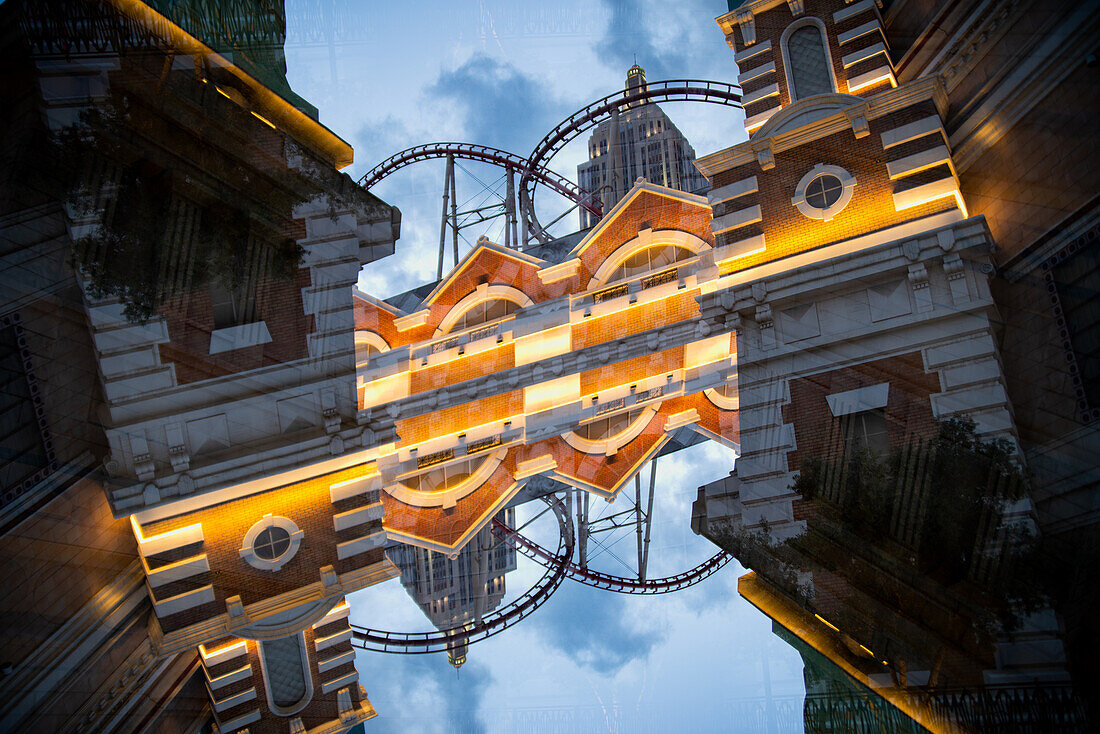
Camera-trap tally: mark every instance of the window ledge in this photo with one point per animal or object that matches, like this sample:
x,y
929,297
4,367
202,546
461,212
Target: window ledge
x,y
239,337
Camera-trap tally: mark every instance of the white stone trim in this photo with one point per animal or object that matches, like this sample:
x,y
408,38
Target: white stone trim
x,y
645,239
177,571
248,552
483,293
737,219
772,90
344,680
733,190
323,666
847,180
412,320
912,131
355,487
417,498
358,516
184,601
720,400
753,50
862,30
368,338
239,337
754,73
236,699
853,9
154,544
611,444
862,55
754,122
918,161
340,611
847,247
560,271
741,248
230,677
917,195
360,545
321,643
241,721
859,400
871,77
224,654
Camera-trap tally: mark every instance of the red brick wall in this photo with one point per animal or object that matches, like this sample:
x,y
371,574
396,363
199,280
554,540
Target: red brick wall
x,y
787,231
770,26
908,412
191,319
308,504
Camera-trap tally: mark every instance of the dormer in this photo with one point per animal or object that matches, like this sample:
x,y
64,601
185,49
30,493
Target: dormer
x,y
788,51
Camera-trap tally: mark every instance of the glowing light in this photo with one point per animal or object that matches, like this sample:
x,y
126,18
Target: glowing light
x,y
164,538
826,622
887,76
226,650
303,127
954,192
263,119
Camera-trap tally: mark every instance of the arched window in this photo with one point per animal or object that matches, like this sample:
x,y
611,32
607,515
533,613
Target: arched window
x,y
808,63
446,477
485,312
651,258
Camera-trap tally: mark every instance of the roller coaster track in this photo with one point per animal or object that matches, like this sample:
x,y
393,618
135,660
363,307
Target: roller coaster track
x,y
619,584
533,170
482,154
415,643
673,90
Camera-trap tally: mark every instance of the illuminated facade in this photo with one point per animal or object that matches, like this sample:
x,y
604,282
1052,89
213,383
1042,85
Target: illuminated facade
x,y
217,359
868,313
513,367
193,495
639,142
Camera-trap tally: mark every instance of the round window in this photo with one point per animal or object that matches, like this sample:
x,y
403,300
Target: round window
x,y
271,543
824,191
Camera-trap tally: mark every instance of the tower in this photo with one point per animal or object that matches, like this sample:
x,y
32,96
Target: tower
x,y
639,141
868,332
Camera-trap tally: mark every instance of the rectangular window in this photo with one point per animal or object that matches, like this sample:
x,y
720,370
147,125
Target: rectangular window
x,y
26,452
1074,279
865,431
235,305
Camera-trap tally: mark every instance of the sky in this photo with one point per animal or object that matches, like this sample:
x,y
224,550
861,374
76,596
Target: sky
x,y
387,76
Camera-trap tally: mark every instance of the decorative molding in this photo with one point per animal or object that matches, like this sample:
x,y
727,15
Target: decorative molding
x,y
847,180
878,105
748,26
857,114
248,548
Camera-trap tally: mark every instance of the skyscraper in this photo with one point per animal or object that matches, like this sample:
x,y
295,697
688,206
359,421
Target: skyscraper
x,y
640,142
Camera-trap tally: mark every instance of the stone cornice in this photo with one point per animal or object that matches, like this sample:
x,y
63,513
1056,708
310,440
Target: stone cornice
x,y
276,109
222,624
880,105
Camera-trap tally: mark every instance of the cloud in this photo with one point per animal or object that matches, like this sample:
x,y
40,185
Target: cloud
x,y
499,104
423,694
592,627
669,40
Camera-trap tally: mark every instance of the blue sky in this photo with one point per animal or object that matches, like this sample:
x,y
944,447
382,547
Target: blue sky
x,y
387,76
